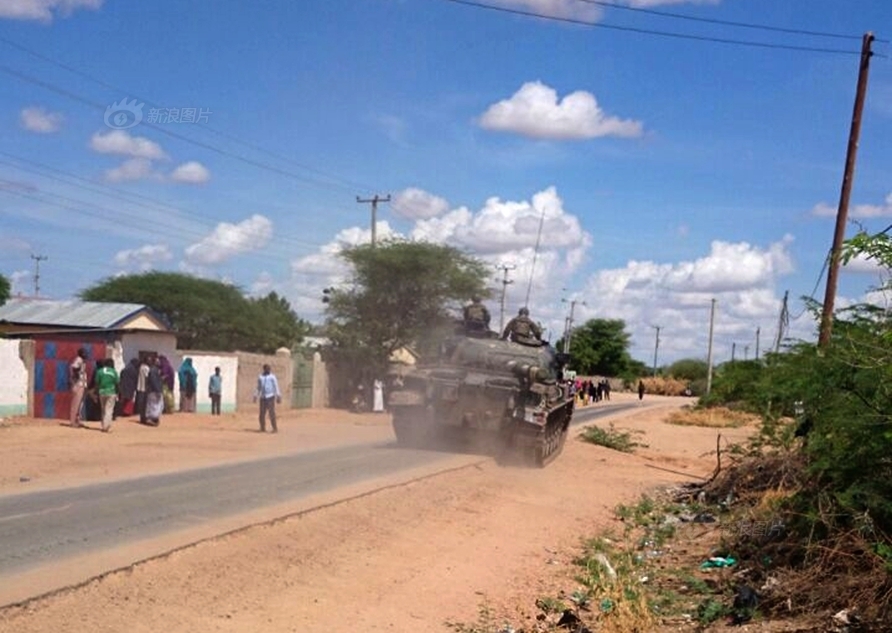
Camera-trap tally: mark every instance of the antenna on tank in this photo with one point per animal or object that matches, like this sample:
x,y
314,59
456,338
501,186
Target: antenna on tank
x,y
535,257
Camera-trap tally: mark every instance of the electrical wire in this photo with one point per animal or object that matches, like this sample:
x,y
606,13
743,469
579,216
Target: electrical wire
x,y
673,34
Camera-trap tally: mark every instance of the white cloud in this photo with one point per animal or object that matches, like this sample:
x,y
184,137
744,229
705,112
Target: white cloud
x,y
659,3
556,8
413,203
535,111
229,240
130,170
192,172
39,120
865,211
121,142
143,258
43,10
862,264
21,282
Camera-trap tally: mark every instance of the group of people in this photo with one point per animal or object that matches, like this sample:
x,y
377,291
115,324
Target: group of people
x,y
144,388
521,329
590,391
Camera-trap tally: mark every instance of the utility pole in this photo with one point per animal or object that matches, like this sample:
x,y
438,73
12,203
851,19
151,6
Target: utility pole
x,y
758,332
782,323
656,346
733,351
568,333
746,352
37,259
843,210
505,281
709,349
374,202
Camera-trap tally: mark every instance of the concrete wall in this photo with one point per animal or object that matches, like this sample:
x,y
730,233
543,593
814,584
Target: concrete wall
x,y
204,363
251,365
132,343
15,377
320,382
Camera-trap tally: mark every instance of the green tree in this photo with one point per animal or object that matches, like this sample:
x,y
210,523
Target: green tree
x,y
600,347
688,369
207,314
5,289
399,292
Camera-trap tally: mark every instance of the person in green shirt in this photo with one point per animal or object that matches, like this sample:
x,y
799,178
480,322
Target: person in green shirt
x,y
107,385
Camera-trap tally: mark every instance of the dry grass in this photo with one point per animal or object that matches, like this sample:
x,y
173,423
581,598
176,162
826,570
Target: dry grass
x,y
715,417
662,386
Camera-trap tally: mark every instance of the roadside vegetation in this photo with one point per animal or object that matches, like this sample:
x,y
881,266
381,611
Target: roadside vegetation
x,y
622,440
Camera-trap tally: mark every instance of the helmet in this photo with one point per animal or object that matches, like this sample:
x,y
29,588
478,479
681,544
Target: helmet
x,y
523,312
475,299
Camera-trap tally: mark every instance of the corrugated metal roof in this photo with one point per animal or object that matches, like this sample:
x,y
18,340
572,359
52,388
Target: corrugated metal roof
x,y
79,314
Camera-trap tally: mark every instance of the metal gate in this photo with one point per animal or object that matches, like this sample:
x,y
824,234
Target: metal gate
x,y
302,383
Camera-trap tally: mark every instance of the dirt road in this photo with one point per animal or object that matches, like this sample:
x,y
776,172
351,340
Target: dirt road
x,y
404,558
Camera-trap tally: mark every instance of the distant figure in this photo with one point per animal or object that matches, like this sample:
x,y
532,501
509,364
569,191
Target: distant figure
x,y
142,381
522,329
641,390
378,396
154,393
127,385
107,386
77,377
188,385
476,317
268,393
168,376
215,391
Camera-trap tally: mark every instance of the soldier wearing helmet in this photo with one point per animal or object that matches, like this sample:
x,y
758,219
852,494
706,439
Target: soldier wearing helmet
x,y
476,317
522,329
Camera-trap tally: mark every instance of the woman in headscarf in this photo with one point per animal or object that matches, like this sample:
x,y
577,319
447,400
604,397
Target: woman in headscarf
x,y
154,397
167,381
188,386
127,387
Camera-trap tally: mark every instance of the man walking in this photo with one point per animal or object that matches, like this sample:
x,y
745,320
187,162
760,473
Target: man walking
x,y
107,386
77,377
215,391
269,394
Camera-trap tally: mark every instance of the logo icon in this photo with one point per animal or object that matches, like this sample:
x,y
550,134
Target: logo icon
x,y
123,114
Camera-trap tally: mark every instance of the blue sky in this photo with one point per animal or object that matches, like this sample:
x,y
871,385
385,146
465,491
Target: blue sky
x,y
664,171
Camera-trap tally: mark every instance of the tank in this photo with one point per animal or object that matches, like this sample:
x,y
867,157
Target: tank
x,y
497,392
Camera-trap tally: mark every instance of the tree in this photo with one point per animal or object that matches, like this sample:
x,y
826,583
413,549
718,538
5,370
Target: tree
x,y
5,289
688,369
207,314
398,293
600,347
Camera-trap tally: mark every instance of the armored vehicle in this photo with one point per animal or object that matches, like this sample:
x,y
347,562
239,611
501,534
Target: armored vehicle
x,y
484,388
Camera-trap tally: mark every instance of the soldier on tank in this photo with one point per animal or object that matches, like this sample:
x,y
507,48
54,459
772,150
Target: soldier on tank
x,y
522,329
476,317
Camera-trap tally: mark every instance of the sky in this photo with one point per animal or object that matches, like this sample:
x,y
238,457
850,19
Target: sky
x,y
629,160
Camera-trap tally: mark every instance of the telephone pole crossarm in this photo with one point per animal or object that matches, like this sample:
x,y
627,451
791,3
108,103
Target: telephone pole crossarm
x,y
374,200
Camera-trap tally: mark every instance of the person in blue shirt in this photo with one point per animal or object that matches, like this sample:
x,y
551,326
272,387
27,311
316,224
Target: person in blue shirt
x,y
268,393
215,391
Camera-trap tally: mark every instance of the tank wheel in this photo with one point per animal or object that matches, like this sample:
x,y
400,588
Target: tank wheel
x,y
551,444
411,427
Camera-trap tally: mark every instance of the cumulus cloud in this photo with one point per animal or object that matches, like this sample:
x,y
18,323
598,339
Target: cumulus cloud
x,y
20,282
44,10
143,258
192,173
121,142
556,8
130,170
863,211
229,240
862,264
413,203
40,121
535,111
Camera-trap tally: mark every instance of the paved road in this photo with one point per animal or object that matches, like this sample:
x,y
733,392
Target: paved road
x,y
43,527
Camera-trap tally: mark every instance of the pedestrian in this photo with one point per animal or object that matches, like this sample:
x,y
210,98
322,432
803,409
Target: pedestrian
x,y
107,385
154,393
77,378
167,382
127,383
188,385
641,390
268,393
215,390
142,381
377,396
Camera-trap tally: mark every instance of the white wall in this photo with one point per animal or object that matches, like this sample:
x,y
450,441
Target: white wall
x,y
13,380
204,363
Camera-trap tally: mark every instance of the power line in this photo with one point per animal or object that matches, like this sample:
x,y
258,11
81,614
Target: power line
x,y
673,34
744,25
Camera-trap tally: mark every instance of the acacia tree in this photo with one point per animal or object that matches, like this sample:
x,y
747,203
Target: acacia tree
x,y
5,289
207,314
398,292
601,347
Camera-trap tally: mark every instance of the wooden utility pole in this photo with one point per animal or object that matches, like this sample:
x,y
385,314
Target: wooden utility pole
x,y
733,351
37,259
656,346
505,281
758,333
782,323
374,202
568,334
709,349
843,210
